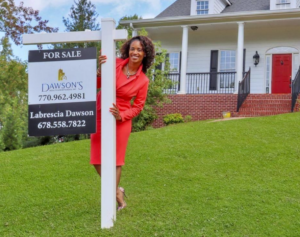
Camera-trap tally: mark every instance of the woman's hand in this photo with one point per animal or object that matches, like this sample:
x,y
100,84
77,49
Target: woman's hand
x,y
115,112
101,59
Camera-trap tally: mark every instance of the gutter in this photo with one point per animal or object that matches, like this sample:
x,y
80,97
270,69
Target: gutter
x,y
215,18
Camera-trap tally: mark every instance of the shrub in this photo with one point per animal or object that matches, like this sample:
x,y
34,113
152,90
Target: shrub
x,y
173,118
144,119
188,118
1,141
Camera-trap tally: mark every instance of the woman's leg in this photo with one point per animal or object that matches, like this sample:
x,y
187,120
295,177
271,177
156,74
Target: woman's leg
x,y
98,169
118,173
120,196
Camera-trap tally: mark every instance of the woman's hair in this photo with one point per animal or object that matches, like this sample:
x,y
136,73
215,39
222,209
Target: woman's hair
x,y
148,48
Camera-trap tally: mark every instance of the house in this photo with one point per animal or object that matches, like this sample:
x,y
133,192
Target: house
x,y
229,55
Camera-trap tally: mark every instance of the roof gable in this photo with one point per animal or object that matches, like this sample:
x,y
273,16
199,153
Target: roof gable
x,y
247,5
178,8
183,7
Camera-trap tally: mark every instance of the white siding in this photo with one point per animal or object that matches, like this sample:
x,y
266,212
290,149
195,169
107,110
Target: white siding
x,y
298,3
201,42
219,6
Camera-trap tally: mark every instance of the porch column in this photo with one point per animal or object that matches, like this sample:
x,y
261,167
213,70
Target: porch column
x,y
184,52
240,52
134,31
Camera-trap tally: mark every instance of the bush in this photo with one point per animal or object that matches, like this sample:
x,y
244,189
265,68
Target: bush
x,y
1,141
31,142
144,119
173,118
188,118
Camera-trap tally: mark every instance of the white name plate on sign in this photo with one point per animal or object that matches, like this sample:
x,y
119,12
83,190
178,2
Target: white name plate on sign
x,y
62,91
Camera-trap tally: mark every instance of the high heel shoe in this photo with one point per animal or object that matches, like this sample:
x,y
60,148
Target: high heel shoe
x,y
123,205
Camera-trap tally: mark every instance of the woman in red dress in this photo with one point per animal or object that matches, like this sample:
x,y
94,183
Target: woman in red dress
x,y
137,55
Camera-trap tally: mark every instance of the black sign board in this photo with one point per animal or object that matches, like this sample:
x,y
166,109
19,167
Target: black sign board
x,y
62,92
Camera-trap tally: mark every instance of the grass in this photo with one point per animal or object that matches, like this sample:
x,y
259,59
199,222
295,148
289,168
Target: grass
x,y
233,178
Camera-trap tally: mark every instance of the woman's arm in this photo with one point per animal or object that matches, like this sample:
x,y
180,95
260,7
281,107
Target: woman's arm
x,y
101,60
138,104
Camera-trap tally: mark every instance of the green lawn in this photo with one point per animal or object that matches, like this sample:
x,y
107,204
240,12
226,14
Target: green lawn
x,y
232,178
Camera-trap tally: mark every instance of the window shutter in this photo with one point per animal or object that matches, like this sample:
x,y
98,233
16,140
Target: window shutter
x,y
179,71
179,62
213,70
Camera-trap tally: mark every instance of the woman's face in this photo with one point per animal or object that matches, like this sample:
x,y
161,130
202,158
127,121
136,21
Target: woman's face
x,y
136,52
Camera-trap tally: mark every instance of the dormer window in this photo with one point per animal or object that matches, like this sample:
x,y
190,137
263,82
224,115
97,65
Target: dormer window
x,y
283,2
202,7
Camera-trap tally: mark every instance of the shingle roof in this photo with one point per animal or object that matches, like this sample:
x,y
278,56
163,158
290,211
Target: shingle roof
x,y
183,7
178,8
247,5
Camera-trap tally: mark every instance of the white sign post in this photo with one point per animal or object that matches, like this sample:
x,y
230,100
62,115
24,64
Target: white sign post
x,y
108,36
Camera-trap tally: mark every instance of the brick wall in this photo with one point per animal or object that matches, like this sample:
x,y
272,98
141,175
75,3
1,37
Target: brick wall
x,y
200,107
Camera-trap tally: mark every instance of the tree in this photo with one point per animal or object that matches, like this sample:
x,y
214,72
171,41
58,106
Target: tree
x,y
82,16
17,20
13,125
13,99
127,27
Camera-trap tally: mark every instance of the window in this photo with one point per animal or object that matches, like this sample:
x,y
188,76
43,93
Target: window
x,y
174,62
296,65
227,64
202,7
268,73
283,1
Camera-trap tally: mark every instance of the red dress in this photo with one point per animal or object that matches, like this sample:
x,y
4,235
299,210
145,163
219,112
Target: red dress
x,y
136,86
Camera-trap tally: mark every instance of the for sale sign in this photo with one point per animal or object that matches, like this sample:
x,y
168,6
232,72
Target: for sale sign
x,y
62,91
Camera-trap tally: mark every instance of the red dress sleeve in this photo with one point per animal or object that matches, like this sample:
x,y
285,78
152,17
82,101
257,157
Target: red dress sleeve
x,y
138,104
118,62
98,82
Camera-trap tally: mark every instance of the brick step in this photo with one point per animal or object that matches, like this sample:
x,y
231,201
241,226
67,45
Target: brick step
x,y
266,105
264,111
270,107
256,114
267,101
269,96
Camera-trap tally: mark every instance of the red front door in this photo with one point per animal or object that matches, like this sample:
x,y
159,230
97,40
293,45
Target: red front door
x,y
281,73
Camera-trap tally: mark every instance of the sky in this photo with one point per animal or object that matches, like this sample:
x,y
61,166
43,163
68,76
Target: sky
x,y
55,10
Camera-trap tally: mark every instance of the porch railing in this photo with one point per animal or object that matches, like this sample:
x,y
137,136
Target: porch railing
x,y
175,83
295,89
243,89
204,83
210,83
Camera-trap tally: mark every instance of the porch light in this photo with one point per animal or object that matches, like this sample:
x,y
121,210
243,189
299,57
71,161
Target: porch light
x,y
194,28
256,59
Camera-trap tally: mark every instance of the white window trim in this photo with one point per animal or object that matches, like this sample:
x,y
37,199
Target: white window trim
x,y
163,64
219,68
268,74
195,9
278,2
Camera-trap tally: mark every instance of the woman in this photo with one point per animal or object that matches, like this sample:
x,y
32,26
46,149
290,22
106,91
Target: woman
x,y
137,55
